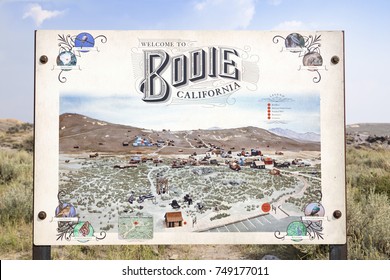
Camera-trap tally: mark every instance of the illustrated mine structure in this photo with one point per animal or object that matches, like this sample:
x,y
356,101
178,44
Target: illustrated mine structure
x,y
162,185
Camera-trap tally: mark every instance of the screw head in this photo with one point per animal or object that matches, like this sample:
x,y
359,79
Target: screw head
x,y
42,215
43,59
337,214
335,59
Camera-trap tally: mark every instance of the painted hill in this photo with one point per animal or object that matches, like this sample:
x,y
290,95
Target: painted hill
x,y
308,136
80,133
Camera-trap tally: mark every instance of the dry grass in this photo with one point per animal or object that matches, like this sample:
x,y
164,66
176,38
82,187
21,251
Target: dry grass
x,y
15,240
368,219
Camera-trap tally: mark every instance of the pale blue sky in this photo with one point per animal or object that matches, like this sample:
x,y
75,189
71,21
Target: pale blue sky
x,y
365,24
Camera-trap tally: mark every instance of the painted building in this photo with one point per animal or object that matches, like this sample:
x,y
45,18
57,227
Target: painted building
x,y
141,142
173,219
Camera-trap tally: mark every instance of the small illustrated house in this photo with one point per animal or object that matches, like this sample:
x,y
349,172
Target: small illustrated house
x,y
259,164
255,152
141,142
274,172
135,159
268,161
173,219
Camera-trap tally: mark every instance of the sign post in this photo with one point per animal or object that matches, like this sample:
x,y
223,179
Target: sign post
x,y
41,252
338,252
189,137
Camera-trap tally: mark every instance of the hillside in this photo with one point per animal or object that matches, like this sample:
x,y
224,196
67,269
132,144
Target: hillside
x,y
80,133
308,136
368,173
92,135
5,124
372,135
379,129
15,134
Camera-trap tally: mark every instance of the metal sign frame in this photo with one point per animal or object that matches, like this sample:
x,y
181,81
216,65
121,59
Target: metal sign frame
x,y
175,173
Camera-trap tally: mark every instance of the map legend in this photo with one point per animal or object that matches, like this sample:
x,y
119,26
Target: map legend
x,y
279,108
269,111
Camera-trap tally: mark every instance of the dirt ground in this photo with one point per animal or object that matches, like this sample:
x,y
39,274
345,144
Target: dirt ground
x,y
204,252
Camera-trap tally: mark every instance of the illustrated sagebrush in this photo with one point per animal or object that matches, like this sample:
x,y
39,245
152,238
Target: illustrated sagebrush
x,y
368,205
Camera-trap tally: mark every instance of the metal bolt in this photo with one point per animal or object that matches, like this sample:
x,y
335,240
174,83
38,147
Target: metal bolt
x,y
42,215
335,59
337,214
43,59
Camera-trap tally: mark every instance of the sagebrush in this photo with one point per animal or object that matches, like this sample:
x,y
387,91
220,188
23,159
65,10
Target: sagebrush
x,y
368,219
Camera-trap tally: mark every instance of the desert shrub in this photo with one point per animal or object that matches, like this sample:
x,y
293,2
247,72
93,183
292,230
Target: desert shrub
x,y
368,227
7,172
13,129
16,204
19,127
15,167
368,205
26,126
371,182
15,186
133,252
15,241
28,144
369,169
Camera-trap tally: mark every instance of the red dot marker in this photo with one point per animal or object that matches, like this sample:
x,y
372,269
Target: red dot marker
x,y
266,207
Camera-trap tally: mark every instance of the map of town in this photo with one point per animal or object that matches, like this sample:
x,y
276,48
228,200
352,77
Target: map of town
x,y
135,227
215,180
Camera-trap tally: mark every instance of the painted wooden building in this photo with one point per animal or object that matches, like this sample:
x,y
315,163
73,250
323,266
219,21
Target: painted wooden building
x,y
173,219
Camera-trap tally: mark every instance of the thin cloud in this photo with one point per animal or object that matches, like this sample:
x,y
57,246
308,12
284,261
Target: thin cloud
x,y
230,14
290,25
39,15
275,2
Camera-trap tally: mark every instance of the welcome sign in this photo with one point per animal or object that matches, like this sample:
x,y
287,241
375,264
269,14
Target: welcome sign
x,y
189,137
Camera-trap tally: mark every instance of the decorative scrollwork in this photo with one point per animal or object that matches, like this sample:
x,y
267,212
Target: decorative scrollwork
x,y
103,39
296,230
60,195
102,235
314,229
308,226
65,230
307,47
276,39
317,79
66,43
312,44
72,47
61,78
279,235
